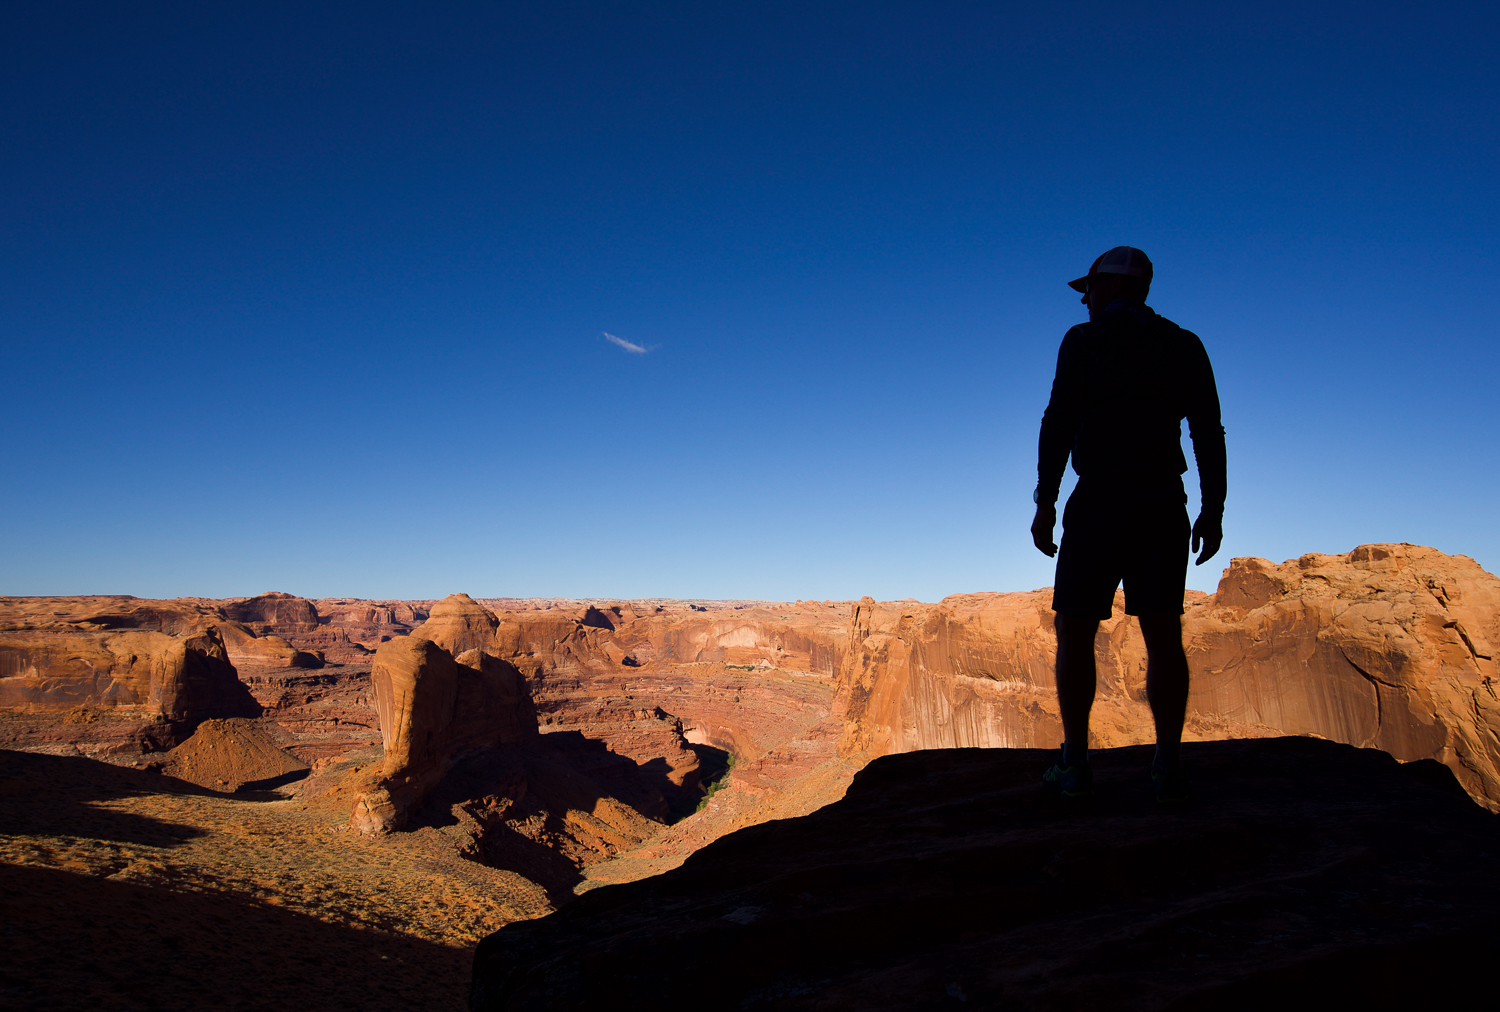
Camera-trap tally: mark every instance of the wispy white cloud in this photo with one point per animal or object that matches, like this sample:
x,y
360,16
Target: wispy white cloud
x,y
630,346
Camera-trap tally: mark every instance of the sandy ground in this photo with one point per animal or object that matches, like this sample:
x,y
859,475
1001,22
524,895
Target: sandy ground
x,y
124,889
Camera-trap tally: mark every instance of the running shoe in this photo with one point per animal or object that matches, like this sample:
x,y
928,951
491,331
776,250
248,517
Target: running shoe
x,y
1169,786
1070,781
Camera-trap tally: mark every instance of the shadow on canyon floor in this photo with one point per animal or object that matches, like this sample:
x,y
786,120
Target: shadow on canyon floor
x,y
547,787
78,791
132,947
714,765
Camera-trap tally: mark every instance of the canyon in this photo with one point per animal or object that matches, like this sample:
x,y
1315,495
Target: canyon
x,y
509,755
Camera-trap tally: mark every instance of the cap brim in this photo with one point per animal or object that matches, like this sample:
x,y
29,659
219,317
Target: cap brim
x,y
1081,285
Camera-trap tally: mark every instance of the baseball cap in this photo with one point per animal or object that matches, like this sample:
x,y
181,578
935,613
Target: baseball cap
x,y
1120,260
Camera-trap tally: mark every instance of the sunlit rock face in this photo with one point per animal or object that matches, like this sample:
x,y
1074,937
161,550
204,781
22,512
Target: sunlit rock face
x,y
738,679
247,651
275,611
116,674
1388,646
458,623
634,706
464,761
433,710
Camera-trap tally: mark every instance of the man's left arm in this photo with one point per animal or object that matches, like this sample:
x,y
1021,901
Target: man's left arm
x,y
1207,430
1059,429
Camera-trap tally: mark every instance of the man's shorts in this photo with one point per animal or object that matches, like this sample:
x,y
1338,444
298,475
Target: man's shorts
x,y
1114,533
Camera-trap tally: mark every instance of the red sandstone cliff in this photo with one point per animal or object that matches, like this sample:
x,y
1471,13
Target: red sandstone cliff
x,y
1385,647
1388,646
463,752
128,675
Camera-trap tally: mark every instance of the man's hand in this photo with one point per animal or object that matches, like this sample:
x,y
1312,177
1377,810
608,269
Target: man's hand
x,y
1209,532
1041,529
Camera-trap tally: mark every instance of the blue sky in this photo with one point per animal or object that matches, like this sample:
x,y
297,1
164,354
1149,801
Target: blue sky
x,y
312,297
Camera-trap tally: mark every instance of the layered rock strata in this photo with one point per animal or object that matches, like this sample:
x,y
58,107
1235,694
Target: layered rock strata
x,y
1386,647
464,757
123,676
637,704
275,612
248,651
351,630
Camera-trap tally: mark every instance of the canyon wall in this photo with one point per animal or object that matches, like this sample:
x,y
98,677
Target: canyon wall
x,y
128,676
1388,646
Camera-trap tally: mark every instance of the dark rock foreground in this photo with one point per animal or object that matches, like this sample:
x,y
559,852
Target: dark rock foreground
x,y
1304,871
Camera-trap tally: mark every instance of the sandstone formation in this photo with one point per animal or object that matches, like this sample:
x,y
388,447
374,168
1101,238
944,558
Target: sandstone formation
x,y
463,756
433,710
572,738
750,683
275,611
75,675
225,755
124,676
351,630
1390,646
458,624
545,810
247,650
1310,873
318,714
1387,646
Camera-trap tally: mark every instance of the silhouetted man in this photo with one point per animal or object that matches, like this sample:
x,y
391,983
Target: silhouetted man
x,y
1125,380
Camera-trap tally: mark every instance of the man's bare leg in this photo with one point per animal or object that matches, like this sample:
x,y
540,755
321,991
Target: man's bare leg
x,y
1166,684
1075,681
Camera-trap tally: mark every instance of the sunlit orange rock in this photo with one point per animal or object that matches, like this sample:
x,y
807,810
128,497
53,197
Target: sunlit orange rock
x,y
1388,646
133,686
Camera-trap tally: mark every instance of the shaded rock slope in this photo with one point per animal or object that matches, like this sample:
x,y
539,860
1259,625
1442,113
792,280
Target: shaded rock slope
x,y
1305,870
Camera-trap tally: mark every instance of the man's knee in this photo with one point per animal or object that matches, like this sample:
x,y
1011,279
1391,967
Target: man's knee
x,y
1074,630
1163,635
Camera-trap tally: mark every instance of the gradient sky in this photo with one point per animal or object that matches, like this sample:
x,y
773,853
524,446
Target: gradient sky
x,y
314,297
